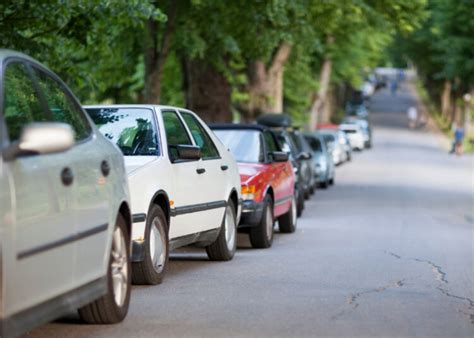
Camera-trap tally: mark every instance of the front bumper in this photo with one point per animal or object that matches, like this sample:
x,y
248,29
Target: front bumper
x,y
252,213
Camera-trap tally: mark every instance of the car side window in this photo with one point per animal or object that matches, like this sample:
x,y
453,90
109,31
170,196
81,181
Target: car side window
x,y
202,139
176,133
270,142
63,108
21,101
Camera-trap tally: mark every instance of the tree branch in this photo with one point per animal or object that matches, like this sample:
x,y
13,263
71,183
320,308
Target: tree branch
x,y
279,58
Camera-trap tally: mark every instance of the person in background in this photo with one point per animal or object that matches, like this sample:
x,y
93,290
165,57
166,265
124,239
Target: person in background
x,y
458,138
412,117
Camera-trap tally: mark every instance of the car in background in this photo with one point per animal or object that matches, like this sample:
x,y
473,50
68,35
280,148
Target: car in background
x,y
267,180
64,206
365,126
355,134
338,150
357,109
341,137
323,161
305,154
184,184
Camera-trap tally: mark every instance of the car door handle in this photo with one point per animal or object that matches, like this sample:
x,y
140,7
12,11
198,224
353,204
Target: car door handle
x,y
67,177
105,168
224,167
201,171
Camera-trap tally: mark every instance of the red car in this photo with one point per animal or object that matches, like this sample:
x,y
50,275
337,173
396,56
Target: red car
x,y
267,179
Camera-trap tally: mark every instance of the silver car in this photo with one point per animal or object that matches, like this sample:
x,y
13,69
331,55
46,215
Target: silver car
x,y
322,158
338,151
64,206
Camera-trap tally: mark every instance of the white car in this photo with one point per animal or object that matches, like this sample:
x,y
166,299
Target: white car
x,y
65,220
355,134
184,184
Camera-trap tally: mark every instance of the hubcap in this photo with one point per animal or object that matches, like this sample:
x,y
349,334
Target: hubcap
x,y
119,267
229,228
269,221
157,245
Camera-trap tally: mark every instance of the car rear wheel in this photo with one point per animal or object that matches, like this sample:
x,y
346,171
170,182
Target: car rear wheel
x,y
299,201
261,236
223,248
287,222
331,181
324,184
113,306
152,268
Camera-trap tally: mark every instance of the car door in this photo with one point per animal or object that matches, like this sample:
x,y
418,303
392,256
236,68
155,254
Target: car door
x,y
281,179
213,181
187,196
87,163
41,263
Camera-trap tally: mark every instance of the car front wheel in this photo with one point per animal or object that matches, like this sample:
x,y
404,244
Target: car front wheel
x,y
113,306
223,248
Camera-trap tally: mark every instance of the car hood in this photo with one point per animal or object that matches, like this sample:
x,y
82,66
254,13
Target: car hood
x,y
248,171
133,163
319,157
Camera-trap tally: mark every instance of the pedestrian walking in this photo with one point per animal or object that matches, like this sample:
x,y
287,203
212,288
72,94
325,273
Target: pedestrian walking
x,y
458,138
412,114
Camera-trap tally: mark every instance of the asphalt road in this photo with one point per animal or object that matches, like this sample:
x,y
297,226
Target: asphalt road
x,y
388,251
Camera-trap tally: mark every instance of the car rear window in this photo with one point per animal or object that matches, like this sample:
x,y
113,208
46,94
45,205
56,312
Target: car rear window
x,y
133,130
245,145
315,144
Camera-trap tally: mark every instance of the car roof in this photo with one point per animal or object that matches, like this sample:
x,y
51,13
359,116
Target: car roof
x,y
149,106
238,126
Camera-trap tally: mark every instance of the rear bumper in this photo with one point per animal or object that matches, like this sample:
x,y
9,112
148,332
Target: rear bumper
x,y
252,213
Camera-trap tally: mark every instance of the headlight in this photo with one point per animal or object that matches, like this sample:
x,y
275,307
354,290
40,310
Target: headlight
x,y
248,192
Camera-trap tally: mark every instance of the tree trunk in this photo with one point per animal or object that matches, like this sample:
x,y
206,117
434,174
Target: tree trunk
x,y
156,54
208,92
446,99
265,86
320,96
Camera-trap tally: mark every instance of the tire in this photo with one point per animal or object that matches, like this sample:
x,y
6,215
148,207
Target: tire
x,y
324,184
311,190
152,269
287,222
332,180
223,248
299,202
261,236
307,194
113,306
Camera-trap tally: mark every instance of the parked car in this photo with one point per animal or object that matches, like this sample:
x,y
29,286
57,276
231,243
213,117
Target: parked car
x,y
291,142
357,109
64,206
305,154
355,134
323,161
338,151
267,180
365,126
184,184
341,137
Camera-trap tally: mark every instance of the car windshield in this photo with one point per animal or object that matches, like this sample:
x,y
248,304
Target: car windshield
x,y
296,140
350,131
245,145
131,129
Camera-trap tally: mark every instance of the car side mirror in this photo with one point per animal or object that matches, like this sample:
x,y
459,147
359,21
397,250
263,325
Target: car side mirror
x,y
304,156
187,152
279,156
41,138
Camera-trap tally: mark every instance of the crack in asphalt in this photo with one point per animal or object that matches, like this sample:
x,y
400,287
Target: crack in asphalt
x,y
352,300
441,277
